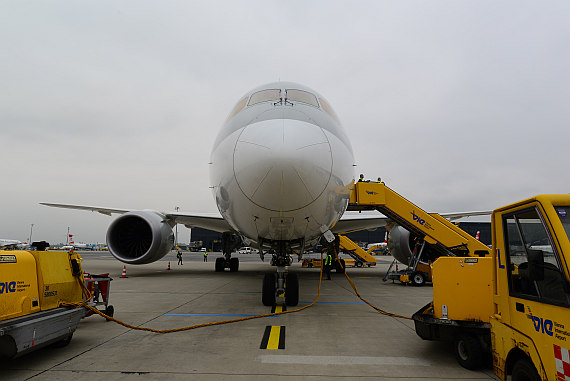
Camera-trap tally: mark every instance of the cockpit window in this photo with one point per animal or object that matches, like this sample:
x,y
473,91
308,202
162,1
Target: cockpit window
x,y
294,95
273,95
328,109
238,107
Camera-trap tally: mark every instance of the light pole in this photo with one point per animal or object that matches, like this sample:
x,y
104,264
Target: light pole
x,y
31,231
176,234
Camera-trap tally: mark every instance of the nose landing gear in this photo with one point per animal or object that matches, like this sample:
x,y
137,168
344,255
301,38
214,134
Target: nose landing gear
x,y
282,283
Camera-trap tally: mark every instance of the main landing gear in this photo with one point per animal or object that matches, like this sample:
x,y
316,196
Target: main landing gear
x,y
229,243
280,283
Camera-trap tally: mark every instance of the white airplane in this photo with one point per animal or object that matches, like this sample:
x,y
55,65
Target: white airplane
x,y
10,243
281,171
378,246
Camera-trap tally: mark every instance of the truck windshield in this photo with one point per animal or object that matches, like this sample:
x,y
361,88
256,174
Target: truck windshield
x,y
532,263
564,215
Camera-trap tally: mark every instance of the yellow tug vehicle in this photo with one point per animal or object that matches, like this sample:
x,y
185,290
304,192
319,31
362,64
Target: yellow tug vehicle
x,y
510,303
34,286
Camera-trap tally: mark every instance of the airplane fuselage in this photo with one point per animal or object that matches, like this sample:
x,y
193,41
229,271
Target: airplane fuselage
x,y
281,166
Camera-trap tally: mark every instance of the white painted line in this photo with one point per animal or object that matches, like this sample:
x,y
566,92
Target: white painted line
x,y
342,360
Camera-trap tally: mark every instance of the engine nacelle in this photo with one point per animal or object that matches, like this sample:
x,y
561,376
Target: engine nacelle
x,y
399,244
140,237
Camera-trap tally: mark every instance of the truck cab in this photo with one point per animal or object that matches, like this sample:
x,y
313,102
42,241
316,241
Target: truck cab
x,y
530,326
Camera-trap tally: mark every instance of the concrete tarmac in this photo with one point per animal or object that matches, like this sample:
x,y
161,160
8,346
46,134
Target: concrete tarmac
x,y
338,338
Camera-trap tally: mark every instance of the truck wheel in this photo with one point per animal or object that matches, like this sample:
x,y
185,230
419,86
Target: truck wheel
x,y
418,278
468,351
523,370
358,264
64,342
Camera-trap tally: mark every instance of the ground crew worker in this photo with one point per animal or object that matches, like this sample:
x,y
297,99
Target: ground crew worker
x,y
328,265
361,179
205,256
179,256
379,181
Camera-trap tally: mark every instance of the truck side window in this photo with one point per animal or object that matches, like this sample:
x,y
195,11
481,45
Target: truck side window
x,y
534,270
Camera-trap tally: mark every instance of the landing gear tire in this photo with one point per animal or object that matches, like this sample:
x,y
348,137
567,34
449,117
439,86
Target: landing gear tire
x,y
523,370
292,289
234,265
268,291
219,264
468,352
418,279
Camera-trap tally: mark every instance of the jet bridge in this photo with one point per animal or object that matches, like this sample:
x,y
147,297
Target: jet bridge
x,y
434,235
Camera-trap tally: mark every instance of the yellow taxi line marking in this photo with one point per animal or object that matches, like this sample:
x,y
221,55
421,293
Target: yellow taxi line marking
x,y
278,308
273,338
273,342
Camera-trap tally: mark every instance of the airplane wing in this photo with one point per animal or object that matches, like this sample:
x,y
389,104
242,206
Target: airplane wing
x,y
350,223
215,222
106,211
211,221
455,216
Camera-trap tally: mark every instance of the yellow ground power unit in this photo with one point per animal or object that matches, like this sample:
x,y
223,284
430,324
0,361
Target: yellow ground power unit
x,y
33,285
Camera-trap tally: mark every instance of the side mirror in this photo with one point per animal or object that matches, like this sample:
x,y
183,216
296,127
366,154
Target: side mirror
x,y
535,264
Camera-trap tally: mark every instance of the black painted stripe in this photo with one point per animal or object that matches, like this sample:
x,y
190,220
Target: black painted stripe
x,y
277,341
282,338
265,338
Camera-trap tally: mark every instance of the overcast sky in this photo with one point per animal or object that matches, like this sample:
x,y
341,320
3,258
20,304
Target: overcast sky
x,y
458,105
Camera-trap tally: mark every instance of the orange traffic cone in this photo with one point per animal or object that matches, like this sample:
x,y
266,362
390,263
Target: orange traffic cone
x,y
124,275
168,265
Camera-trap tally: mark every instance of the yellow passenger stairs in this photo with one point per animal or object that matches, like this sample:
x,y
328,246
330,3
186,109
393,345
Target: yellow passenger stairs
x,y
435,230
361,257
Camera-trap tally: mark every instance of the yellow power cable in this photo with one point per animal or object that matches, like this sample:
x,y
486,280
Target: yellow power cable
x,y
364,300
376,308
95,310
88,296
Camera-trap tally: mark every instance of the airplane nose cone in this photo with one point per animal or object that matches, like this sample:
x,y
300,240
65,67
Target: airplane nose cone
x,y
282,164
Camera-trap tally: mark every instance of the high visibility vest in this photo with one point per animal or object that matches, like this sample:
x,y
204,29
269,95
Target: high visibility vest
x,y
328,261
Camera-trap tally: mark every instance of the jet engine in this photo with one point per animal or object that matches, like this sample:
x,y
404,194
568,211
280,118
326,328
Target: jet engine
x,y
140,237
399,244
